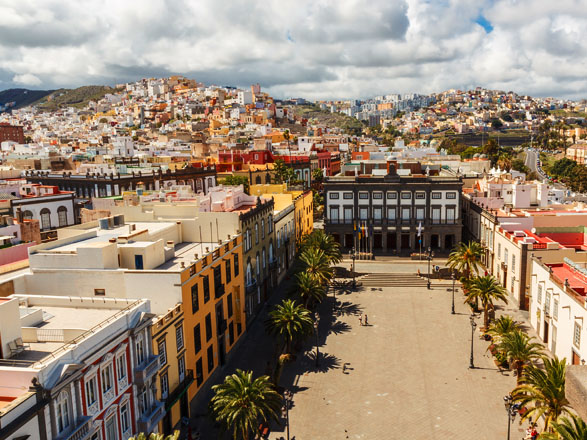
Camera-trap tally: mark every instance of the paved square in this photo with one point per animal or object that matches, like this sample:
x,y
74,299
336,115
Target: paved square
x,y
406,375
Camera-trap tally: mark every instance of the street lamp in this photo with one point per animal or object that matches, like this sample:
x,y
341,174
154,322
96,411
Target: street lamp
x,y
429,258
512,410
354,257
473,325
317,342
453,277
287,395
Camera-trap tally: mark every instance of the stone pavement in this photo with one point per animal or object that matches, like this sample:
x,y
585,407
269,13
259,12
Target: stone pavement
x,y
405,376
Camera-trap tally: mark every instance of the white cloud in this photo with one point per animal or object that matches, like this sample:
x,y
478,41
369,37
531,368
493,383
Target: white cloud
x,y
310,48
27,79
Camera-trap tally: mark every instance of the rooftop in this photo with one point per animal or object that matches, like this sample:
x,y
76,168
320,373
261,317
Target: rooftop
x,y
186,253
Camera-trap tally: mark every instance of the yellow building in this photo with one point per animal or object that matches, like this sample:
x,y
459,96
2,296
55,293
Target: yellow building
x,y
213,294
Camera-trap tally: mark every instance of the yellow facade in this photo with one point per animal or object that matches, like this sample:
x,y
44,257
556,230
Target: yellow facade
x,y
214,314
304,214
169,343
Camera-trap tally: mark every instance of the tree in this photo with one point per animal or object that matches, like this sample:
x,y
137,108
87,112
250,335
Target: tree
x,y
153,436
287,137
504,162
316,263
568,428
309,288
289,321
466,258
519,165
319,239
486,289
240,403
519,349
233,180
318,175
496,123
542,391
501,327
283,172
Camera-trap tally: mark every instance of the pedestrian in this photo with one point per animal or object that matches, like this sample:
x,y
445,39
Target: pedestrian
x,y
366,322
361,319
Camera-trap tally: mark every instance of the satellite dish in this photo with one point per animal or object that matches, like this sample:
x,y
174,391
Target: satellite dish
x,y
533,230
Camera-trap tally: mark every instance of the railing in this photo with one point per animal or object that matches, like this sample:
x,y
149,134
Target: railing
x,y
50,335
179,389
146,370
148,421
250,288
82,431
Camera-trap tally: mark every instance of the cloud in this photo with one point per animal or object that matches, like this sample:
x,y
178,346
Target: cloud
x,y
27,79
311,48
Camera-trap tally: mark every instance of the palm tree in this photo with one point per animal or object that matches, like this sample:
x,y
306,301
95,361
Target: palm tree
x,y
519,349
316,263
325,242
240,403
309,288
466,258
501,327
542,391
290,321
568,428
486,289
153,436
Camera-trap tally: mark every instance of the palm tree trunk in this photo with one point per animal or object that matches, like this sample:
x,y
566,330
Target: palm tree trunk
x,y
519,371
486,315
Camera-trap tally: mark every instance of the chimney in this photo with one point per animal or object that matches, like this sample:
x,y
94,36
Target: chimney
x,y
19,215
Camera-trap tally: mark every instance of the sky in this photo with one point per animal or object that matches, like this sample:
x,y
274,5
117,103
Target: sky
x,y
317,49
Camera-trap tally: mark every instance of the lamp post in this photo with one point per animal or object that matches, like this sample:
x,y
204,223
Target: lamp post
x,y
287,395
453,277
354,257
429,258
511,409
317,342
473,325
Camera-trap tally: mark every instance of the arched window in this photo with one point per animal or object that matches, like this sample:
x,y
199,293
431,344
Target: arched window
x,y
258,266
262,228
256,233
45,219
270,252
62,216
258,180
249,274
270,223
62,412
27,215
264,259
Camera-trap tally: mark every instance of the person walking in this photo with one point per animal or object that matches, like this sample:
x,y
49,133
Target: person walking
x,y
366,322
361,319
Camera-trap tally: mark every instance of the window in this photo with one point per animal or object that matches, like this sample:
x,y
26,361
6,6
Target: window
x,y
391,213
419,213
264,258
513,262
164,379
236,267
231,333
206,282
555,309
62,216
420,195
363,213
91,391
577,335
406,195
45,219
218,287
405,213
197,339
377,195
392,195
539,294
208,327
121,366
181,368
27,215
100,292
347,195
210,357
450,215
436,195
499,251
505,256
62,412
162,349
334,213
179,337
143,401
256,233
106,378
364,195
377,213
263,228
140,346
199,372
270,223
124,418
195,300
229,304
227,270
112,428
451,195
333,195
436,215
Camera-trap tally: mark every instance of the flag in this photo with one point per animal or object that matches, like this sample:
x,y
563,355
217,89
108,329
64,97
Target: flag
x,y
419,229
366,230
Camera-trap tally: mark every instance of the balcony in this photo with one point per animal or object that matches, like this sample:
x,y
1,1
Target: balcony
x,y
340,221
180,390
146,371
148,421
81,431
251,288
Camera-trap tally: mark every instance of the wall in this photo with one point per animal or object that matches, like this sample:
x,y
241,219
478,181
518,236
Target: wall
x,y
15,253
9,325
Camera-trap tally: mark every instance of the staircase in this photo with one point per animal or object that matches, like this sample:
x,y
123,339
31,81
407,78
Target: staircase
x,y
395,280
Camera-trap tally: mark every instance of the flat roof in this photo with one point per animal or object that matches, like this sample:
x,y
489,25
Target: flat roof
x,y
185,252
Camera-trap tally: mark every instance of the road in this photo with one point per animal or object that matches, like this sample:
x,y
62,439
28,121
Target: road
x,y
532,163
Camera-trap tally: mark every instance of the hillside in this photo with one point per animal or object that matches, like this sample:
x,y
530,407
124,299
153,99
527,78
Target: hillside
x,y
20,98
73,97
348,124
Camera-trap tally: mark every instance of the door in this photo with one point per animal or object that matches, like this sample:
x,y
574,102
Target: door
x,y
348,241
167,422
576,360
184,410
434,241
138,262
546,328
391,241
377,241
405,241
